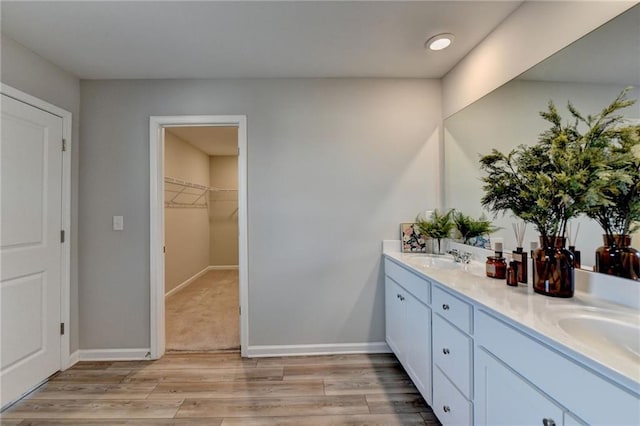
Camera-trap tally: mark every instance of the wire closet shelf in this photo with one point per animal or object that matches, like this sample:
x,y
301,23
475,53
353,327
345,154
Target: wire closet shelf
x,y
184,194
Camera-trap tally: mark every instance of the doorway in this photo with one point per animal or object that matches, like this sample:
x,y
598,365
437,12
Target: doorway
x,y
198,234
201,238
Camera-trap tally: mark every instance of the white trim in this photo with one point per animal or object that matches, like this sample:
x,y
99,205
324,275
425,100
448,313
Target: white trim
x,y
321,349
135,354
186,282
65,270
74,358
223,267
156,218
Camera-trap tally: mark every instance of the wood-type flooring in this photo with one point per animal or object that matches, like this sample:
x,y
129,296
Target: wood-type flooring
x,y
224,389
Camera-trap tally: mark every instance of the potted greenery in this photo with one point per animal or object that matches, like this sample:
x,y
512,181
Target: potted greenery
x,y
470,228
545,184
438,227
568,172
616,207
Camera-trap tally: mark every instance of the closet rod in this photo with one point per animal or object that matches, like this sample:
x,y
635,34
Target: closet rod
x,y
180,182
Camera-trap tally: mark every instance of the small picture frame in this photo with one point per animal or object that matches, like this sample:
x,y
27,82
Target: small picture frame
x,y
411,239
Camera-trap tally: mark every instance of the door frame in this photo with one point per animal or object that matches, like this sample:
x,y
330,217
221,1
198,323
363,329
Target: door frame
x,y
65,252
156,216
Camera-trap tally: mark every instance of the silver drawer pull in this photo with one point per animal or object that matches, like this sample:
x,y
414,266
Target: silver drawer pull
x,y
447,409
548,422
445,351
445,306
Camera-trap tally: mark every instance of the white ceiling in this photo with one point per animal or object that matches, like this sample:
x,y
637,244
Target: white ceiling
x,y
212,140
212,39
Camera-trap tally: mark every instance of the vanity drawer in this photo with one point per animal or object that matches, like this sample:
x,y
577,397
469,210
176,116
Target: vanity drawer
x,y
415,285
452,352
456,311
451,407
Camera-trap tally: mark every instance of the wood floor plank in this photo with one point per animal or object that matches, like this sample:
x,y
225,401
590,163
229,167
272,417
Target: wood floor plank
x,y
205,375
93,391
368,385
190,361
91,376
9,422
341,371
257,407
395,403
215,389
88,409
430,418
331,420
93,365
121,422
256,389
363,360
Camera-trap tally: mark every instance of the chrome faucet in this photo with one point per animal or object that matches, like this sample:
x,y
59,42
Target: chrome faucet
x,y
460,256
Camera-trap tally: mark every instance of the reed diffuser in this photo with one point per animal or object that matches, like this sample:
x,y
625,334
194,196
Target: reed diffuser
x,y
519,255
571,237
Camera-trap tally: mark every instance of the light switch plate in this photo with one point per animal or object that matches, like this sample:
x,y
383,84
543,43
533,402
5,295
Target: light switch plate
x,y
118,223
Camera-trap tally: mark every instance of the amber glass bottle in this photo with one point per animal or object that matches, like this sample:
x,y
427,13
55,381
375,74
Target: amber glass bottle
x,y
496,265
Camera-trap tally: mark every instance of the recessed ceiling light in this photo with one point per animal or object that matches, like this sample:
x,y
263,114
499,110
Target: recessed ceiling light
x,y
439,42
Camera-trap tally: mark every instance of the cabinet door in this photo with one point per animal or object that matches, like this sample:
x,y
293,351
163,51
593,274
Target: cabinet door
x,y
505,398
418,345
394,317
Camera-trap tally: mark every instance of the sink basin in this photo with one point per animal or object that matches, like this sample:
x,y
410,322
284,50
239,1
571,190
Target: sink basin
x,y
440,262
476,268
621,336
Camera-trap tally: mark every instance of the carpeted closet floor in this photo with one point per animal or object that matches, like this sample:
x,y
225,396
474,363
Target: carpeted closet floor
x,y
204,315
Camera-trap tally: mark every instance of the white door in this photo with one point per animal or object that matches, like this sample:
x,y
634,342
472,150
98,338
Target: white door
x,y
30,247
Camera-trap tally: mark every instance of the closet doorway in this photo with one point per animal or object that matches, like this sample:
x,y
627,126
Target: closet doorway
x,y
201,238
198,234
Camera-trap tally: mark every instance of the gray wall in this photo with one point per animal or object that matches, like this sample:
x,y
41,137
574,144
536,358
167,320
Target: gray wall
x,y
334,166
24,70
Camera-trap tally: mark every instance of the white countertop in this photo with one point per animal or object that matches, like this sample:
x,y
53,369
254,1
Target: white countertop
x,y
540,314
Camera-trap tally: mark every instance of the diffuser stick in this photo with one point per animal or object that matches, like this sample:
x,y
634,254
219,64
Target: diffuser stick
x,y
519,230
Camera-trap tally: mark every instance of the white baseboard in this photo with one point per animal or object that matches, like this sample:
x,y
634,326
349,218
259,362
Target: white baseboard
x,y
73,359
321,349
135,354
187,282
223,267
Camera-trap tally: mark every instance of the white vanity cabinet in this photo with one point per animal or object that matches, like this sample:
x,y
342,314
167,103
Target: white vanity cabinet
x,y
522,380
408,324
473,365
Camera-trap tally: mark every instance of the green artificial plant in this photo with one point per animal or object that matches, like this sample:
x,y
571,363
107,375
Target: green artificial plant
x,y
617,205
469,227
567,172
437,226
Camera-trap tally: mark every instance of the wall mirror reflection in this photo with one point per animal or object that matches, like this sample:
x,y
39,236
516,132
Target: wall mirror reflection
x,y
589,73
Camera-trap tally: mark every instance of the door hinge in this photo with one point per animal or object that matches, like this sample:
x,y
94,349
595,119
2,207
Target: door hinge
x,y
240,310
62,236
238,150
164,249
62,329
64,145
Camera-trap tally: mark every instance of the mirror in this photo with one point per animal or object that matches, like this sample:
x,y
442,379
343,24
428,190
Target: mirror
x,y
590,73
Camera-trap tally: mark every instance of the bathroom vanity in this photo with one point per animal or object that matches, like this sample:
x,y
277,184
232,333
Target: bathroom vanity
x,y
483,353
